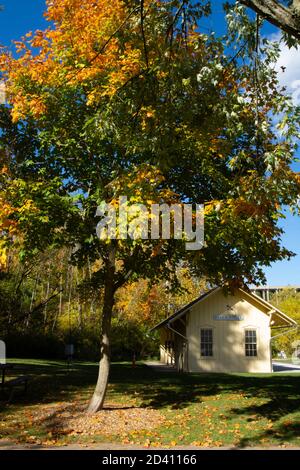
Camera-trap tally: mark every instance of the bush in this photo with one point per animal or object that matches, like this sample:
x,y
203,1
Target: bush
x,y
34,345
127,338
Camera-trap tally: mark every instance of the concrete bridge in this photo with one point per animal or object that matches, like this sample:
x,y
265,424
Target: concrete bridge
x,y
265,292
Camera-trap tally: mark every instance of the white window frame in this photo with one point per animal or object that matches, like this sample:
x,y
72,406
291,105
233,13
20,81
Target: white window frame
x,y
251,328
211,328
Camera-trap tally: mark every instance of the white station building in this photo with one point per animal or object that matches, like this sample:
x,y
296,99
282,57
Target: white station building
x,y
221,332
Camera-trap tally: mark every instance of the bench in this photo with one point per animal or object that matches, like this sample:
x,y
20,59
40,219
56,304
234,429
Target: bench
x,y
17,382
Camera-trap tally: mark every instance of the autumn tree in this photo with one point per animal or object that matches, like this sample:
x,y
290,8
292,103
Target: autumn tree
x,y
130,99
287,300
146,303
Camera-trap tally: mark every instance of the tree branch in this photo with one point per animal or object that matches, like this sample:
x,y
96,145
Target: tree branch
x,y
36,308
143,34
103,47
122,279
286,19
175,18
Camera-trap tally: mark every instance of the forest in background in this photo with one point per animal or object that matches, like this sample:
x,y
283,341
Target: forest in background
x,y
48,303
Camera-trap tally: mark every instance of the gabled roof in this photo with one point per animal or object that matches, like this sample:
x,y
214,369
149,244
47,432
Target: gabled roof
x,y
184,309
269,307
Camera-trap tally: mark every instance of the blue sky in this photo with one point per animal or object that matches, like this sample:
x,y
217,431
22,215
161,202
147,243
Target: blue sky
x,y
21,16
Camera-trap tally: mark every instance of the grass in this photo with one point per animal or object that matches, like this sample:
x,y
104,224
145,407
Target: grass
x,y
200,409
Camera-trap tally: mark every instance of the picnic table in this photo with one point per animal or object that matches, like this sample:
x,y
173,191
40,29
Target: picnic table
x,y
3,369
12,383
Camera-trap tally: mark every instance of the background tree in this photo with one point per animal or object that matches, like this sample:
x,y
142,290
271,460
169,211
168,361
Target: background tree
x,y
46,303
289,302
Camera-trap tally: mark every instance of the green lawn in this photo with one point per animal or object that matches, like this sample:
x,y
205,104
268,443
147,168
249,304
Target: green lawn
x,y
204,410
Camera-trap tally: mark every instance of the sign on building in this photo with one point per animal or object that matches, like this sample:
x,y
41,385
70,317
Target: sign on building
x,y
228,317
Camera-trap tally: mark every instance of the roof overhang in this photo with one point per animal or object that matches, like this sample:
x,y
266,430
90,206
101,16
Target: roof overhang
x,y
279,318
180,313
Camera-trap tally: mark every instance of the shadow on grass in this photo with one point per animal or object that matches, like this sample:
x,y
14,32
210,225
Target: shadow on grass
x,y
49,381
283,402
281,435
54,382
280,396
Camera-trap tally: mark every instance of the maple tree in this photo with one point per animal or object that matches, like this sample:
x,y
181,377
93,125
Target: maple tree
x,y
145,303
130,99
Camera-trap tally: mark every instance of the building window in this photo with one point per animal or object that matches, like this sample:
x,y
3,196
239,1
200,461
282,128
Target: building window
x,y
250,343
169,346
206,342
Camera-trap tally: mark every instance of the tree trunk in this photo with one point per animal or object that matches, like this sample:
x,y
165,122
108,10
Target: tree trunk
x,y
272,10
98,398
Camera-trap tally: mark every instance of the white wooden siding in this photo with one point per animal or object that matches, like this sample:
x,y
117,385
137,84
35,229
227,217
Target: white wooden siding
x,y
228,335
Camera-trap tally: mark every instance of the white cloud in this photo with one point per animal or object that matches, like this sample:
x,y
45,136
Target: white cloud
x,y
288,68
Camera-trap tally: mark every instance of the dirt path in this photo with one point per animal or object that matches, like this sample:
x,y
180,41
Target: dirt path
x,y
8,445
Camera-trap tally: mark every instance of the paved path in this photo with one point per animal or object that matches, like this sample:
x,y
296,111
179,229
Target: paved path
x,y
160,367
285,367
9,445
277,367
